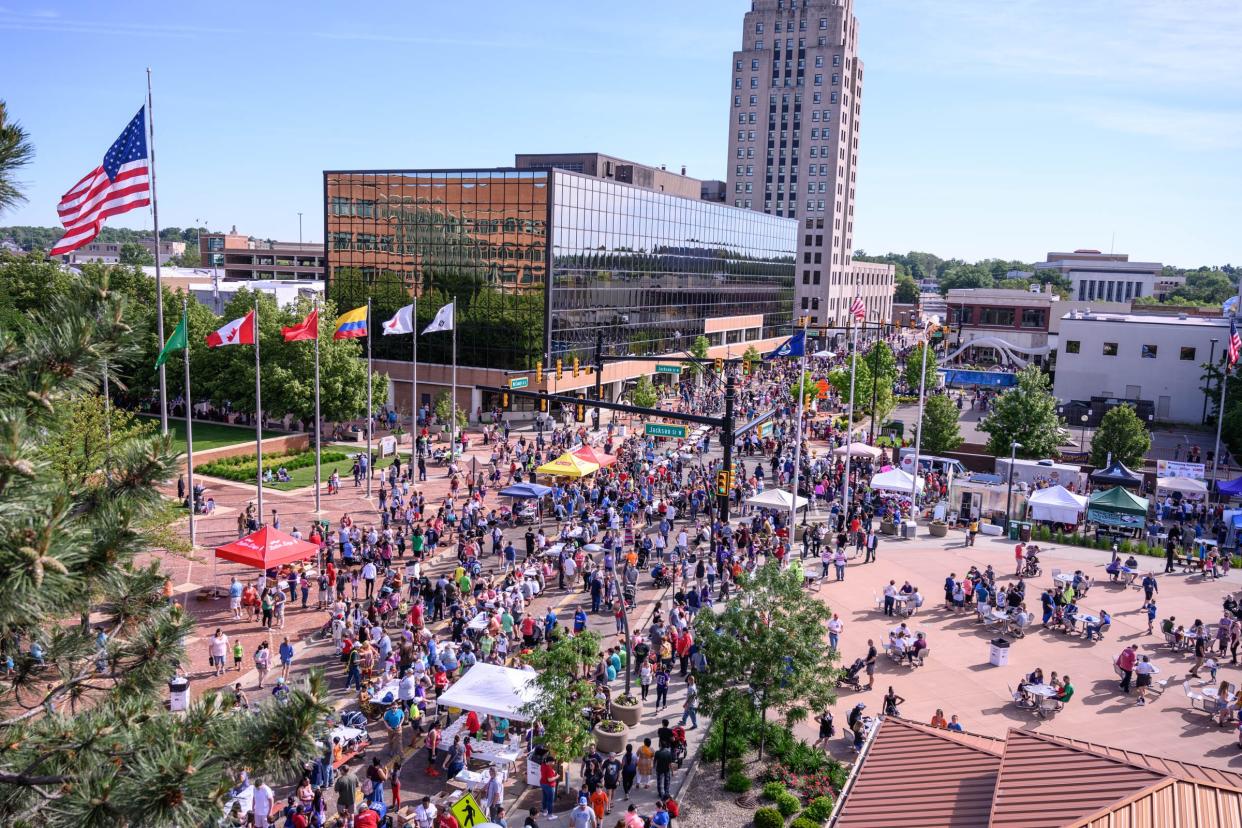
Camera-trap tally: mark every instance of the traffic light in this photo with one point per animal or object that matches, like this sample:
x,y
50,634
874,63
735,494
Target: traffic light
x,y
505,402
746,367
539,372
724,483
558,369
543,405
719,365
575,367
580,410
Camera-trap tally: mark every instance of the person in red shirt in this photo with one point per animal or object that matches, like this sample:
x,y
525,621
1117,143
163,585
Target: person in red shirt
x,y
599,804
367,819
444,819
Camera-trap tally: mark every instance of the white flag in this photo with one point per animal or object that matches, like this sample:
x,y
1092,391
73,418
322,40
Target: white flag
x,y
401,323
443,320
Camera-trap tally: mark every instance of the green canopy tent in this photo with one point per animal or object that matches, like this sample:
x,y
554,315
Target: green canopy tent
x,y
1117,507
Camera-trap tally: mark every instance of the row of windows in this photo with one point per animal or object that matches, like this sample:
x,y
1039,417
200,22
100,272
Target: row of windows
x,y
1110,349
789,27
1108,290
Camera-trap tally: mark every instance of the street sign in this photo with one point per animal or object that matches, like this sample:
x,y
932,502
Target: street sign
x,y
468,812
668,369
666,430
765,429
519,382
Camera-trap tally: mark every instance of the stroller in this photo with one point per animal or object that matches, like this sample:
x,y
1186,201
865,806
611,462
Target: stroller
x,y
850,677
642,559
1031,568
679,745
660,578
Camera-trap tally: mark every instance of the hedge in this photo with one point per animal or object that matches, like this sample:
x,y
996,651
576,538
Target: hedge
x,y
819,809
245,469
788,804
737,782
769,818
772,790
807,822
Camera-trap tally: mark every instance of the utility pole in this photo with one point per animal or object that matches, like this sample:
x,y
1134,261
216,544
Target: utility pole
x,y
726,436
599,390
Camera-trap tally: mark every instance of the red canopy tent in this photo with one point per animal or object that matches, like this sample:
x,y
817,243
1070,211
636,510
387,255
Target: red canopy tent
x,y
267,548
585,452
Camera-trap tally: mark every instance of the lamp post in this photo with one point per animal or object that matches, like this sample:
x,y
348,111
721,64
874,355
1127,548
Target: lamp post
x,y
1082,446
1211,357
875,355
1013,456
299,228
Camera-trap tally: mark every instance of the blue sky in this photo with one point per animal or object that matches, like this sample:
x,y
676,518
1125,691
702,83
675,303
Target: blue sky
x,y
989,128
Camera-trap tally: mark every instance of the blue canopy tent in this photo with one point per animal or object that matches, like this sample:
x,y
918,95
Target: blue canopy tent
x,y
525,491
1232,488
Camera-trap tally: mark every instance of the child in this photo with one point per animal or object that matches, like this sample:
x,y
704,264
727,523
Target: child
x,y
238,652
1151,615
394,778
1211,666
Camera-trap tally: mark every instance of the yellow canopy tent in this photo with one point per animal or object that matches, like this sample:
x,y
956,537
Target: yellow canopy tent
x,y
567,465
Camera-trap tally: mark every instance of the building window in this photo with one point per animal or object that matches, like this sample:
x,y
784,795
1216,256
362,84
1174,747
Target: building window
x,y
1187,354
823,23
994,316
836,60
1032,318
819,80
759,29
1149,352
1110,349
819,61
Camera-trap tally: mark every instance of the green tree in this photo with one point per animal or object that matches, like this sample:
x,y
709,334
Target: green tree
x,y
15,153
442,410
939,426
807,385
133,253
767,648
563,693
87,741
964,275
26,283
644,394
839,379
752,355
1026,413
698,349
86,437
914,367
906,291
1123,436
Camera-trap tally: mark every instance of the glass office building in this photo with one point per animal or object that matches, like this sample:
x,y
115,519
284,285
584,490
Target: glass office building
x,y
539,261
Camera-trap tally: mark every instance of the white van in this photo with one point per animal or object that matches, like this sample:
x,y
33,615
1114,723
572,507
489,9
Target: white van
x,y
928,462
1033,471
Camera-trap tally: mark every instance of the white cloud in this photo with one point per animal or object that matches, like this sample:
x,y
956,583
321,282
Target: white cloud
x,y
1191,129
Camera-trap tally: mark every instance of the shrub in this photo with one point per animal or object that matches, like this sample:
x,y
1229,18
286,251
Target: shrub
x,y
806,822
772,790
804,758
734,765
737,783
788,804
819,809
245,470
769,818
713,743
838,773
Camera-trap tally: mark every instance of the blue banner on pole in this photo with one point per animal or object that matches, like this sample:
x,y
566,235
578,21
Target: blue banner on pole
x,y
795,346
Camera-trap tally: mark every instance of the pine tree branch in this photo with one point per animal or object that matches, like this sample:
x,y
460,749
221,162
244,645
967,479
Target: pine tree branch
x,y
26,781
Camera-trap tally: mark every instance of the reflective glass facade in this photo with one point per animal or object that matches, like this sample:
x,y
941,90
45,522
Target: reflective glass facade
x,y
646,268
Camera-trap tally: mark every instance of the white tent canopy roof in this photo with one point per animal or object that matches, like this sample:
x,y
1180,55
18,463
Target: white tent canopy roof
x,y
1185,485
775,499
858,450
1056,503
491,690
894,480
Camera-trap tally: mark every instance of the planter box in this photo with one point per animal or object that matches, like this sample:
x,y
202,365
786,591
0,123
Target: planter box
x,y
938,530
610,742
628,713
887,527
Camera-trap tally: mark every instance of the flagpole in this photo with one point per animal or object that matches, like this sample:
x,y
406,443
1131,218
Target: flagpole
x,y
258,409
849,421
1220,418
414,371
453,401
189,414
918,436
369,411
159,291
318,473
793,503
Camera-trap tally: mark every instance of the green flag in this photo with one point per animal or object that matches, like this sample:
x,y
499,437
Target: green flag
x,y
176,342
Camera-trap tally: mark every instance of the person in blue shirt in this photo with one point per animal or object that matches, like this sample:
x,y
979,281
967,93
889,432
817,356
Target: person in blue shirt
x,y
580,620
286,658
549,622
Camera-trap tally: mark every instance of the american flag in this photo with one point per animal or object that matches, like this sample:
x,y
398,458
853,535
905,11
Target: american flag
x,y
120,184
858,309
1235,343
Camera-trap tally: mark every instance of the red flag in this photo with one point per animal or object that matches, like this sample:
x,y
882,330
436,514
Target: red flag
x,y
237,332
308,328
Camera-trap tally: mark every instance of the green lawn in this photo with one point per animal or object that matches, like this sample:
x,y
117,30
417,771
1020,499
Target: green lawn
x,y
211,435
306,476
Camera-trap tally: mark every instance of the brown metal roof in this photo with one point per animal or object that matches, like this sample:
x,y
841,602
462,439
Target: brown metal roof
x,y
912,775
1047,784
991,744
1174,802
1170,767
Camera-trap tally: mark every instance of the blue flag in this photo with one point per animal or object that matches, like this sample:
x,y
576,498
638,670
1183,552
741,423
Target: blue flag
x,y
795,346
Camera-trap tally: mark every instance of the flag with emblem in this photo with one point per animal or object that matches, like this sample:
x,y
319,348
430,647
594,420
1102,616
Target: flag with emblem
x,y
237,332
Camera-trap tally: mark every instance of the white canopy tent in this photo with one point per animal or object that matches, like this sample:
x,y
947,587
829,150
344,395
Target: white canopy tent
x,y
1186,485
894,480
824,354
858,450
489,689
1057,504
775,499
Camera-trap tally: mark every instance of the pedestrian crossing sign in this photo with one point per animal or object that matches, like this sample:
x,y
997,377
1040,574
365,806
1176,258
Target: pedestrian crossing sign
x,y
468,812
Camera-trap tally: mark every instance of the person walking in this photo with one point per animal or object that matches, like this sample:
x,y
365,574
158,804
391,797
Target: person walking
x,y
690,707
216,649
1125,663
835,626
262,661
286,658
1143,670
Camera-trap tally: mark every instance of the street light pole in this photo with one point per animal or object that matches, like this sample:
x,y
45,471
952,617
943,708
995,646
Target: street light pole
x,y
1013,456
299,228
1082,444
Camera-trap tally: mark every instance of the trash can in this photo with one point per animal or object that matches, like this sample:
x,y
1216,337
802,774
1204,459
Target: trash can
x,y
1014,528
178,693
909,529
1024,532
998,652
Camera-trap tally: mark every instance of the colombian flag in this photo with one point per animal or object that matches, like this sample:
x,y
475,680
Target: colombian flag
x,y
351,325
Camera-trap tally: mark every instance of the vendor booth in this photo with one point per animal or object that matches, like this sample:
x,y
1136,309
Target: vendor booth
x,y
894,480
568,465
1116,474
858,450
776,499
1056,504
981,496
594,455
499,692
1231,488
1181,488
1117,508
266,549
525,491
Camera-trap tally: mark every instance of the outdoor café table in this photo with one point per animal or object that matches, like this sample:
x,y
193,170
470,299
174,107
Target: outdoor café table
x,y
554,549
575,533
909,633
1211,691
996,615
474,780
1066,578
1046,691
478,623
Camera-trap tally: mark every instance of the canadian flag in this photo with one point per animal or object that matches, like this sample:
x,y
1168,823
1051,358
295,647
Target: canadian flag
x,y
237,332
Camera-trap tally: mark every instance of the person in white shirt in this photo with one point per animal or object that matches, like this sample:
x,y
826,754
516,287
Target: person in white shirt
x,y
368,577
425,813
493,794
264,799
835,626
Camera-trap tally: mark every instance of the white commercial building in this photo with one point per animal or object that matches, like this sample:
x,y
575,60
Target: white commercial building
x,y
1138,357
110,252
1109,277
